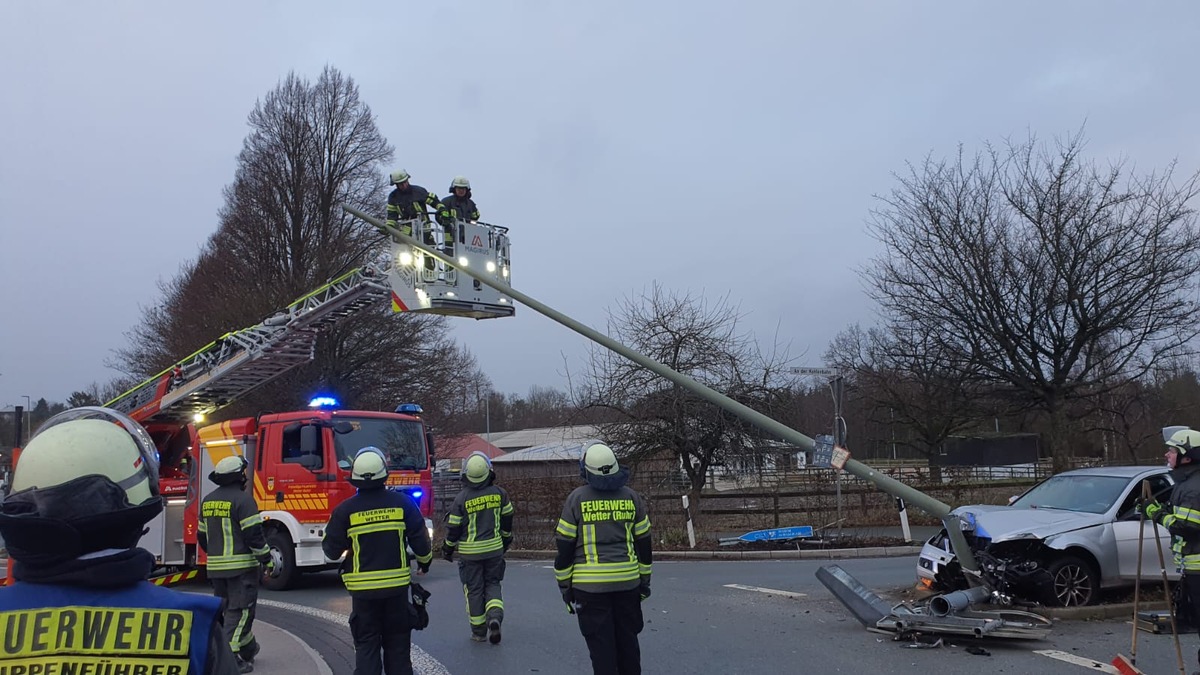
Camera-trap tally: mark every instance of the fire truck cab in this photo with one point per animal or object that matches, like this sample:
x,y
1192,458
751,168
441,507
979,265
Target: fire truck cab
x,y
300,466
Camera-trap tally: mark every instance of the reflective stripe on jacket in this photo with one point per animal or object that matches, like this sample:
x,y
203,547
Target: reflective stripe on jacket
x,y
233,533
462,208
375,528
603,525
1183,516
412,203
135,628
480,520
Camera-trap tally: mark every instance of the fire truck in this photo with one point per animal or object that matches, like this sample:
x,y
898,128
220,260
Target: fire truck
x,y
300,461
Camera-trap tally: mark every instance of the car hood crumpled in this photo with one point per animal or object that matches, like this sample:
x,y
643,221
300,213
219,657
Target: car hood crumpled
x,y
1003,523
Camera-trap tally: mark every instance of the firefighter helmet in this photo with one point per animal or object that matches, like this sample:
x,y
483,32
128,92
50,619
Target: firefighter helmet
x,y
600,460
1185,441
478,468
87,481
369,468
230,470
86,442
399,176
460,182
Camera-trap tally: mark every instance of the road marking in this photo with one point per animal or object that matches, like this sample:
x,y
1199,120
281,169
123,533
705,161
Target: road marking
x,y
423,663
1078,661
770,591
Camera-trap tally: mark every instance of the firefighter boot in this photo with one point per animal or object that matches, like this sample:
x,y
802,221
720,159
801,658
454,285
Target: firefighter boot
x,y
478,635
244,666
494,631
248,652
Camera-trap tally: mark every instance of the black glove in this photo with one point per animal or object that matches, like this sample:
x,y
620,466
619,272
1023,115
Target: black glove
x,y
265,559
448,552
423,566
644,588
568,596
507,542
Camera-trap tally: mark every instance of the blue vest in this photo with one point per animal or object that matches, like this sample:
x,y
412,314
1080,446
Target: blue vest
x,y
141,629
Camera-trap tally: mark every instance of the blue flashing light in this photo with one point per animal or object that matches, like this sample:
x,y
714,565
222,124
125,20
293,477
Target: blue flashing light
x,y
416,494
323,402
409,409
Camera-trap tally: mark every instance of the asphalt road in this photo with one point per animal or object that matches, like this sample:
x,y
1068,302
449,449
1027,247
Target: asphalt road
x,y
697,623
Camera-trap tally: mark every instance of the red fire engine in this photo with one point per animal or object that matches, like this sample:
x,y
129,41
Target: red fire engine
x,y
300,461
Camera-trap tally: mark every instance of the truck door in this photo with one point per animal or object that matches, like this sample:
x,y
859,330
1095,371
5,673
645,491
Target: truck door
x,y
289,480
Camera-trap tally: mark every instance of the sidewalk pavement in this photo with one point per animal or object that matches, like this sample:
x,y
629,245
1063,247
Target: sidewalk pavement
x,y
283,652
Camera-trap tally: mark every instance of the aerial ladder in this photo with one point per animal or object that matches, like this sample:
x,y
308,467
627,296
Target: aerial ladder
x,y
240,361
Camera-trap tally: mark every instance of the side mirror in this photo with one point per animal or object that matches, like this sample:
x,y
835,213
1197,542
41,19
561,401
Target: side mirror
x,y
429,443
310,440
342,427
310,462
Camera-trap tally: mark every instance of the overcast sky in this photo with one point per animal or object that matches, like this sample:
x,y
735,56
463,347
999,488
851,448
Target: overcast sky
x,y
718,148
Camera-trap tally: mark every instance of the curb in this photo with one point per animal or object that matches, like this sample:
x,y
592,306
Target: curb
x,y
320,665
819,554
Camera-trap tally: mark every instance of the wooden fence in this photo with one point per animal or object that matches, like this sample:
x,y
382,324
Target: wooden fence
x,y
808,499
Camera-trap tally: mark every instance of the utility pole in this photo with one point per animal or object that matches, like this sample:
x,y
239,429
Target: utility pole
x,y
836,385
28,419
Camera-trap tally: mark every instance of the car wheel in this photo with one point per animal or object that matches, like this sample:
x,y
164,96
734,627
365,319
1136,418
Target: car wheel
x,y
1073,582
283,554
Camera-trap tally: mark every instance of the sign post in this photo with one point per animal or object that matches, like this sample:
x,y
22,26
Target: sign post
x,y
839,425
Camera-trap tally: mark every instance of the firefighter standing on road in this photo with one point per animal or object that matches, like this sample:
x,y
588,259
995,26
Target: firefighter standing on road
x,y
373,528
83,490
231,533
480,530
1181,514
603,562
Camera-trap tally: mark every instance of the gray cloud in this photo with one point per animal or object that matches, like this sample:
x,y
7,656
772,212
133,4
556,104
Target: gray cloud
x,y
726,148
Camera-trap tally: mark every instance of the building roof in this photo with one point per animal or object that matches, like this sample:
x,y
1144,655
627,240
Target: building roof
x,y
551,452
460,446
509,441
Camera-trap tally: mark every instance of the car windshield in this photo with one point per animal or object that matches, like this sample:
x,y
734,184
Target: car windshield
x,y
1086,493
401,441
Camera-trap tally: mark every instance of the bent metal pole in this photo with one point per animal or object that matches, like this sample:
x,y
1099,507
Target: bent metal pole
x,y
886,483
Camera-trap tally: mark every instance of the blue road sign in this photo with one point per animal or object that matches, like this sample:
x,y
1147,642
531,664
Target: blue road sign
x,y
779,533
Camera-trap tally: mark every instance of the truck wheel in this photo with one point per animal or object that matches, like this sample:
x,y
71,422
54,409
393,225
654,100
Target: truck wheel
x,y
283,552
1073,582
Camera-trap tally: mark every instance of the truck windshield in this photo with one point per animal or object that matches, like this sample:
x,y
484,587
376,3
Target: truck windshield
x,y
403,442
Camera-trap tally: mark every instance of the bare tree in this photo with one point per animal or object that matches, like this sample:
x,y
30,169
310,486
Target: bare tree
x,y
1056,278
659,420
312,147
907,378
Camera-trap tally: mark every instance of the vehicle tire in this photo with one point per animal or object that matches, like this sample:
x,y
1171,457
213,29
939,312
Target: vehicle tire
x,y
283,552
1073,582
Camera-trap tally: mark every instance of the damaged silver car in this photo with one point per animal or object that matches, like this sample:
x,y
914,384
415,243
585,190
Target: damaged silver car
x,y
1061,542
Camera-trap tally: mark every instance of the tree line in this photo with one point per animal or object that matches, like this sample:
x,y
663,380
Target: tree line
x,y
1023,288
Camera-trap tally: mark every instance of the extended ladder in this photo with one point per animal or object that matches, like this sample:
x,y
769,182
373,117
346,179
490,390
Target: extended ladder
x,y
238,362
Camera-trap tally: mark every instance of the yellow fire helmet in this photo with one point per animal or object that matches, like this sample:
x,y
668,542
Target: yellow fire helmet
x,y
478,468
